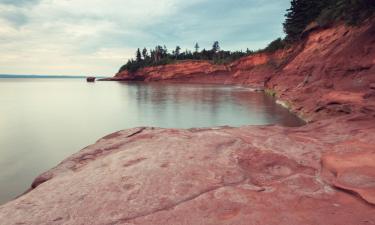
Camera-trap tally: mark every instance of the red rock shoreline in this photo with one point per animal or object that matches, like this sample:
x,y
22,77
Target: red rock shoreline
x,y
330,73
321,173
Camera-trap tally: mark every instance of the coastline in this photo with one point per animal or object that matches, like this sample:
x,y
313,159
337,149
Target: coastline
x,y
320,173
313,88
317,173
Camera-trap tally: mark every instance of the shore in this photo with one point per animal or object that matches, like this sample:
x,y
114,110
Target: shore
x,y
321,173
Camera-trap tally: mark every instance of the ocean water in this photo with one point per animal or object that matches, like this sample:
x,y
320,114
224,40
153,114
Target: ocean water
x,y
43,121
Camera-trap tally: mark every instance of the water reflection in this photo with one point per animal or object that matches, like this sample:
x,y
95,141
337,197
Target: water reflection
x,y
43,121
219,105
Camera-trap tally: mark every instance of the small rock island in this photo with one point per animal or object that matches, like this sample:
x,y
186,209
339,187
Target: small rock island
x,y
90,79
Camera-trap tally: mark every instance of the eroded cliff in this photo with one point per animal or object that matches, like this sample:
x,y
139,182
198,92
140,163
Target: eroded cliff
x,y
334,65
321,173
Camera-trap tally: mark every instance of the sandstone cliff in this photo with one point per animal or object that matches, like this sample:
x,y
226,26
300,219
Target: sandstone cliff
x,y
322,173
335,65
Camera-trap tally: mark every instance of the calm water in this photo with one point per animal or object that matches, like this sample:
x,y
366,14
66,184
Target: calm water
x,y
42,121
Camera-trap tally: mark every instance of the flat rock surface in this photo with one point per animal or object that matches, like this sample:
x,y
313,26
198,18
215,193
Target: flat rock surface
x,y
319,174
249,175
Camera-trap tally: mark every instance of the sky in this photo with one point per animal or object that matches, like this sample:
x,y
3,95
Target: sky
x,y
96,37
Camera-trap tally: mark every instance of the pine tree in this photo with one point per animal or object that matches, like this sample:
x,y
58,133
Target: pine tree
x,y
355,11
299,15
177,52
215,47
164,51
138,55
159,53
145,53
196,47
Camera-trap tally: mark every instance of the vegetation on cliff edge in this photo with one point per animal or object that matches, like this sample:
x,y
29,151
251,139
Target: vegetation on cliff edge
x,y
304,12
302,16
162,56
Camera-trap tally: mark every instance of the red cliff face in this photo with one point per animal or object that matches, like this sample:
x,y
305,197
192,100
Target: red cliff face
x,y
334,65
185,70
332,74
257,69
321,173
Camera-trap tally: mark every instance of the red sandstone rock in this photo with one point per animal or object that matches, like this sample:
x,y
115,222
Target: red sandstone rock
x,y
182,70
248,175
353,171
322,173
330,64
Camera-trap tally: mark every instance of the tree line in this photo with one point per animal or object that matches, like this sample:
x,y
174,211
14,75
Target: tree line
x,y
324,12
160,55
300,15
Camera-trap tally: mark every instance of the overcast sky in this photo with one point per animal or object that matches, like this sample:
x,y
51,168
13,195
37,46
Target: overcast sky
x,y
95,37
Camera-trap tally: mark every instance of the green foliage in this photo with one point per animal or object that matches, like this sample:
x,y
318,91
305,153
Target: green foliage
x,y
215,47
138,55
352,12
226,57
145,53
275,45
177,52
303,12
160,56
196,47
299,16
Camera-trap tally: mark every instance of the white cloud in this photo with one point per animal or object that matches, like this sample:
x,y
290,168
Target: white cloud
x,y
95,36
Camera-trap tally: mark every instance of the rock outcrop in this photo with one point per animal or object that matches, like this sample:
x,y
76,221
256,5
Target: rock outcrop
x,y
188,70
321,173
335,66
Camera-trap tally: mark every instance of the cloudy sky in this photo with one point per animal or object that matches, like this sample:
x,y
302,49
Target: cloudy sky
x,y
95,37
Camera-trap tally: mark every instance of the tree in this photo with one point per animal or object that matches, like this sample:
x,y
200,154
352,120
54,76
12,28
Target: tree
x,y
303,12
215,47
164,51
138,55
177,51
196,47
275,45
248,51
352,11
204,55
158,53
300,14
145,53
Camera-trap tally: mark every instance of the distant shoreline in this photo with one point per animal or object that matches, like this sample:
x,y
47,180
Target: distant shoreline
x,y
45,76
38,76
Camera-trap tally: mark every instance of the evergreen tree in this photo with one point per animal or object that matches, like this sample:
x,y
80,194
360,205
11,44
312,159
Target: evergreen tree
x,y
196,47
215,47
275,45
204,54
138,55
145,53
159,51
177,52
299,15
164,51
352,11
302,12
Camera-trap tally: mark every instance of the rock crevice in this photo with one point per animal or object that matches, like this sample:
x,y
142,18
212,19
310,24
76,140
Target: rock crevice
x,y
321,173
